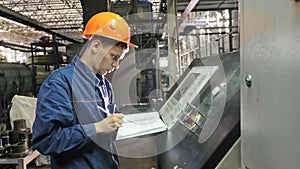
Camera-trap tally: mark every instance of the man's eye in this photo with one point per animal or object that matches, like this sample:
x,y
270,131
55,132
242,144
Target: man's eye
x,y
114,57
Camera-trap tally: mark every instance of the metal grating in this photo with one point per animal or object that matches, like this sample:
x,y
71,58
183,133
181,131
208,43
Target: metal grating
x,y
63,16
66,17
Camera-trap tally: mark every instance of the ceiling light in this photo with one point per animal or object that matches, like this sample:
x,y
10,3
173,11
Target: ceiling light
x,y
2,30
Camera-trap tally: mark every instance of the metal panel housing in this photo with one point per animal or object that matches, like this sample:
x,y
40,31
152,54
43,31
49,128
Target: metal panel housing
x,y
270,115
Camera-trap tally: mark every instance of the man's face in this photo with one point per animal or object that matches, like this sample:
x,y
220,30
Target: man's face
x,y
111,60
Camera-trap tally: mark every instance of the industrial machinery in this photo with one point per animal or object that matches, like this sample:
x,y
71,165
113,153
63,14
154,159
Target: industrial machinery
x,y
201,113
14,79
211,116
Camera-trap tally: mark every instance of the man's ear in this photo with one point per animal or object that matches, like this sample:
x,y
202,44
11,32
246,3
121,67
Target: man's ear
x,y
96,46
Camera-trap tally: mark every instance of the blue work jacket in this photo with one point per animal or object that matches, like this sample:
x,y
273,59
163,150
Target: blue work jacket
x,y
69,102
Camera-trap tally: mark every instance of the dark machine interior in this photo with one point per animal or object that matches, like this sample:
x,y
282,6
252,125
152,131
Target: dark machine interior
x,y
192,152
187,147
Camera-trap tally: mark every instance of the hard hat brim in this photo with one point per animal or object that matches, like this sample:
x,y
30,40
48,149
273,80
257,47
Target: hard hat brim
x,y
133,45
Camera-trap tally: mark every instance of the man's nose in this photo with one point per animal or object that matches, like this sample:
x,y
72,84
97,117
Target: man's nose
x,y
116,64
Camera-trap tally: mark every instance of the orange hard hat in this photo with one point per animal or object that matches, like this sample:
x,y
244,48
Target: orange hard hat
x,y
110,25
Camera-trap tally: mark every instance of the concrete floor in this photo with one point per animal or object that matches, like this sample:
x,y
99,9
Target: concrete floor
x,y
125,163
130,153
138,163
42,167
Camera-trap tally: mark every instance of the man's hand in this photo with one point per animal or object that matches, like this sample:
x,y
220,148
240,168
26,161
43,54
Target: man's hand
x,y
109,124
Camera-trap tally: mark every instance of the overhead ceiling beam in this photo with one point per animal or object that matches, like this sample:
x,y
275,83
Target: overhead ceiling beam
x,y
14,46
62,28
189,8
209,5
17,17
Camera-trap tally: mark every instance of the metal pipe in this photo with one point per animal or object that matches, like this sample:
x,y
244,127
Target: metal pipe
x,y
171,20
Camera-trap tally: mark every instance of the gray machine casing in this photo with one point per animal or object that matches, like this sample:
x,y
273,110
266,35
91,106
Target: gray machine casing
x,y
270,49
189,153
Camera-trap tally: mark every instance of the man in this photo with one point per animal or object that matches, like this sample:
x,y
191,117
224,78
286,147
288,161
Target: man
x,y
75,119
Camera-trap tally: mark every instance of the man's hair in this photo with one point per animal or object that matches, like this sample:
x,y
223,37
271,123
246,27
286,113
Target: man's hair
x,y
105,42
109,42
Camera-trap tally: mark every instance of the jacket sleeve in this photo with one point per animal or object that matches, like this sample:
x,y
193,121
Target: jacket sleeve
x,y
55,129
